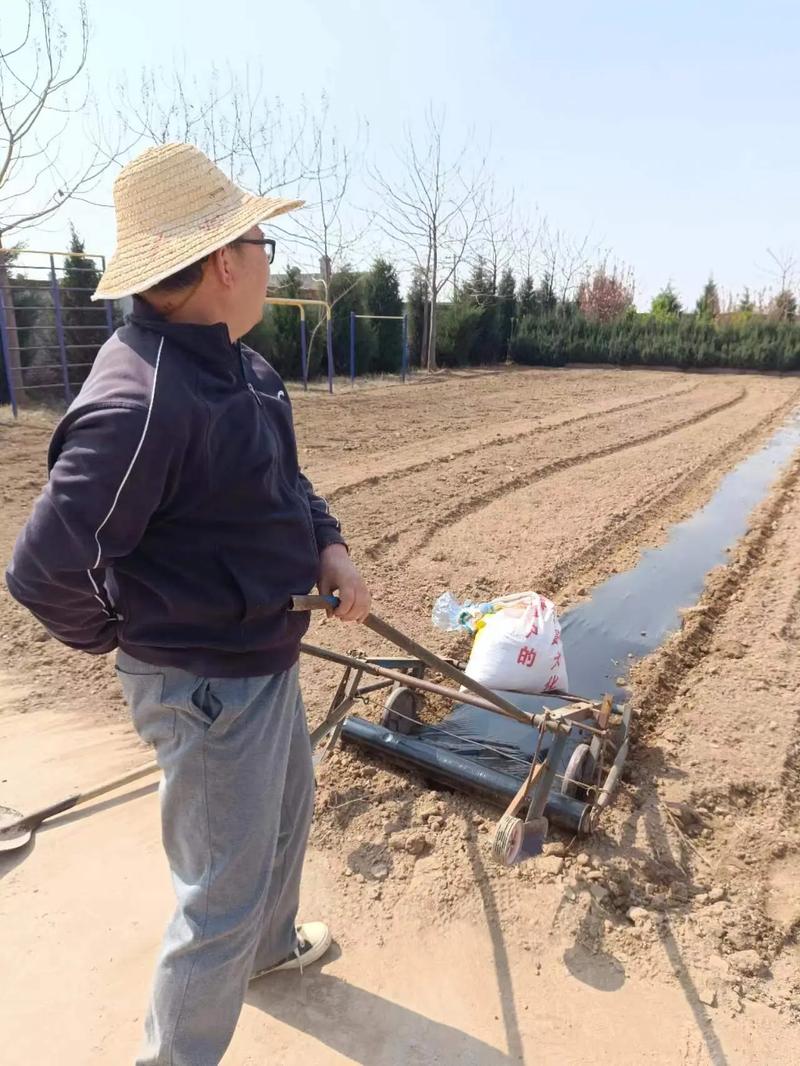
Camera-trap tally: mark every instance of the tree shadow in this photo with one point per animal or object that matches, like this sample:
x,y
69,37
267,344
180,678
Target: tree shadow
x,y
366,1028
660,844
660,849
502,968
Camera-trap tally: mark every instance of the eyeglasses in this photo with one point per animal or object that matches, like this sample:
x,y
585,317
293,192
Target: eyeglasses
x,y
267,243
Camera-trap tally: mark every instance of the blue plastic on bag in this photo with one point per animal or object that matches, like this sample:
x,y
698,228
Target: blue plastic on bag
x,y
452,615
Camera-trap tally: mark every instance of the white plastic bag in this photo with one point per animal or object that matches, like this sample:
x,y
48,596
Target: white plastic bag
x,y
517,646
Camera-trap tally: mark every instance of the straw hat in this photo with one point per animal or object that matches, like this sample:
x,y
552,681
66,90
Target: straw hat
x,y
174,206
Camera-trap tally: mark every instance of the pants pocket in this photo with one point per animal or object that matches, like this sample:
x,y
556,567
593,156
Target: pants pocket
x,y
218,702
153,719
204,702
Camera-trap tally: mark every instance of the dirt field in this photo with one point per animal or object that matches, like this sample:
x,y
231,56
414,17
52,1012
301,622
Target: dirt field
x,y
669,937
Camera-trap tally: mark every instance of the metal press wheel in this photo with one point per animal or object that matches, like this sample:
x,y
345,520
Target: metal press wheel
x,y
401,711
579,773
507,842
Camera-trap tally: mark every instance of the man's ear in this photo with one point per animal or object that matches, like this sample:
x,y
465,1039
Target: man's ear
x,y
221,262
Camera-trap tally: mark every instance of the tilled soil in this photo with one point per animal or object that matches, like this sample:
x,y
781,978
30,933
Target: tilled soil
x,y
491,482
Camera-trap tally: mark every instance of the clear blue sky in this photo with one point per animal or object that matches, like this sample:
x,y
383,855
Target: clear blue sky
x,y
669,132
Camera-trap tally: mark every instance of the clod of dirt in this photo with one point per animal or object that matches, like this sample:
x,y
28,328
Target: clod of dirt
x,y
731,649
708,996
551,865
679,891
413,843
748,963
429,808
598,892
738,939
691,819
555,848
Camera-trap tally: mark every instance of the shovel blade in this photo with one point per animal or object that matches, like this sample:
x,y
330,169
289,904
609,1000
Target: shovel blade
x,y
12,837
534,835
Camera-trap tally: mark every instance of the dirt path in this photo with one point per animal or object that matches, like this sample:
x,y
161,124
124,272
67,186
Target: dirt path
x,y
684,907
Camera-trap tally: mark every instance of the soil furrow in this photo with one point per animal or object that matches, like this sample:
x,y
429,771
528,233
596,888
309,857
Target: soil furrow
x,y
481,500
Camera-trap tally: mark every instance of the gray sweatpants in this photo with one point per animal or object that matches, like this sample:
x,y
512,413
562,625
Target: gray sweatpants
x,y
236,801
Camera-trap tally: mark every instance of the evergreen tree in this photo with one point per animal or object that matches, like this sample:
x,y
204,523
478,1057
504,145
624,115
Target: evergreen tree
x,y
666,304
506,311
478,293
746,305
526,297
417,295
783,307
546,299
287,350
478,288
707,308
346,294
85,325
382,297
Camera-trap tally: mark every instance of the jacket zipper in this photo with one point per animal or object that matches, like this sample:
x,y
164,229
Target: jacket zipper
x,y
304,504
250,388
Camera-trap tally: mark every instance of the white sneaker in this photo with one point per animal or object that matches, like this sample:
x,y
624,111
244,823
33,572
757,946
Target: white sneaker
x,y
313,940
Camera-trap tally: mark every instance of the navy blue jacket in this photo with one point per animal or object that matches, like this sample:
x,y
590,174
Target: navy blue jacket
x,y
176,523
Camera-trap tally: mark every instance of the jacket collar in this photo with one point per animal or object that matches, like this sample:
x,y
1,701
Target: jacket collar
x,y
211,342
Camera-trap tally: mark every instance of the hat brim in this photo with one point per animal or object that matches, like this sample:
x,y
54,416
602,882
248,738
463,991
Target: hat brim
x,y
139,264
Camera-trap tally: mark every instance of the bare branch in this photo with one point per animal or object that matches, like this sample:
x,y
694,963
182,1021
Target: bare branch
x,y
433,210
45,66
784,271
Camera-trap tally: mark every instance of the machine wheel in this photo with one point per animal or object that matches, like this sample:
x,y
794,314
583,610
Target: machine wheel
x,y
579,772
401,705
507,842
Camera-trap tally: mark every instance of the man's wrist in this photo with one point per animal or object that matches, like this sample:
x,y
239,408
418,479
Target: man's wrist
x,y
335,546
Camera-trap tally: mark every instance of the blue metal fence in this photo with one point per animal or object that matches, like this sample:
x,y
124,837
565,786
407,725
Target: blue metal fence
x,y
50,331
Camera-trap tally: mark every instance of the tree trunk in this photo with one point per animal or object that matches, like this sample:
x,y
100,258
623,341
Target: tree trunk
x,y
432,328
423,341
11,335
432,365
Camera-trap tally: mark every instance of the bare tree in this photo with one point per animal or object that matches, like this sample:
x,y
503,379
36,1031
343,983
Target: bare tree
x,y
228,115
527,241
784,268
565,261
43,90
326,228
264,147
433,211
259,143
499,235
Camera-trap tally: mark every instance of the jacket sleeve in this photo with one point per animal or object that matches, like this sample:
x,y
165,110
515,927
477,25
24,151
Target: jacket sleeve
x,y
327,529
105,484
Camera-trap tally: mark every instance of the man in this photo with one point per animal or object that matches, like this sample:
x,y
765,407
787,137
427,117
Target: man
x,y
175,527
